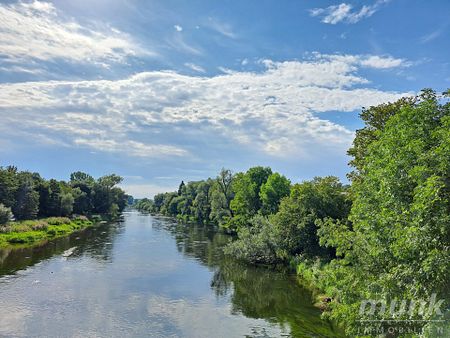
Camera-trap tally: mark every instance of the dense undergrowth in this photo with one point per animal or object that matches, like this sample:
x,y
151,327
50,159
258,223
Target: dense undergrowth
x,y
32,231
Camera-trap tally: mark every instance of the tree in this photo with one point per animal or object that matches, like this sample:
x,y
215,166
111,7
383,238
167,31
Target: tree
x,y
5,214
221,196
396,246
180,188
276,187
246,188
82,190
78,177
202,202
67,201
105,194
158,201
8,185
375,118
308,203
258,243
27,199
53,202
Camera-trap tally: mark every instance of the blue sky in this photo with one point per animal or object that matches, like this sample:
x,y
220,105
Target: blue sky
x,y
160,91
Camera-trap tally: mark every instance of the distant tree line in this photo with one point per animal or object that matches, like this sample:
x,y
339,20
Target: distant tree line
x,y
25,195
385,236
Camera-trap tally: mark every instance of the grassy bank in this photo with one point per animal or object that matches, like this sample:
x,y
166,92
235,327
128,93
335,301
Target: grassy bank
x,y
33,231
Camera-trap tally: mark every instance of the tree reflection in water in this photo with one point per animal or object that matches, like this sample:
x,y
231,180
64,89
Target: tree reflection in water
x,y
255,292
95,242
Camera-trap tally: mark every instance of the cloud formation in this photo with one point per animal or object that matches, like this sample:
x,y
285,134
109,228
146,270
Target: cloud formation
x,y
164,113
344,12
38,31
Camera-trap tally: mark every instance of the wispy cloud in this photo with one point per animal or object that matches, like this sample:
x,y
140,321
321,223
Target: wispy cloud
x,y
433,35
221,27
344,12
37,31
157,114
195,67
133,148
178,42
370,61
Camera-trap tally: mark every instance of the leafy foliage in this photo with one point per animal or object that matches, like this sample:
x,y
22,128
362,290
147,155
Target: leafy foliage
x,y
396,243
5,214
387,236
30,196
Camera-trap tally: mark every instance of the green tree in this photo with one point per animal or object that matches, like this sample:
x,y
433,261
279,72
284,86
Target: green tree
x,y
27,199
396,246
53,202
257,243
308,203
8,185
276,187
221,197
202,202
67,202
246,187
5,214
180,188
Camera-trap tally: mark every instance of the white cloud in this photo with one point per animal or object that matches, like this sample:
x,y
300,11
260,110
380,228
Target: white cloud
x,y
195,67
133,148
383,62
344,12
38,31
221,27
370,61
178,28
433,35
163,113
146,190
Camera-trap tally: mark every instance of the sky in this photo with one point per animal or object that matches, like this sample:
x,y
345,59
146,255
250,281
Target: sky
x,y
164,91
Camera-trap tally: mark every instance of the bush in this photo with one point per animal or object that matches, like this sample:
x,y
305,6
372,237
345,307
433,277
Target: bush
x,y
81,218
257,243
40,225
5,214
5,229
20,227
58,220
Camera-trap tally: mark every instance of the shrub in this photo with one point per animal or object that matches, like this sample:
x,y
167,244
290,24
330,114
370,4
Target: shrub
x,y
20,227
40,225
5,214
57,220
81,218
5,229
257,243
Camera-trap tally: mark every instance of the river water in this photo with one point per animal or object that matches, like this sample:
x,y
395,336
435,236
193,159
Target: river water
x,y
148,276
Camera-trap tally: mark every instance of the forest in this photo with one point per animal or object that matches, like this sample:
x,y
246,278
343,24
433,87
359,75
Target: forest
x,y
33,208
385,235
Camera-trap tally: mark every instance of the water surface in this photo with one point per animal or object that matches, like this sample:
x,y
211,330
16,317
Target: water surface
x,y
148,277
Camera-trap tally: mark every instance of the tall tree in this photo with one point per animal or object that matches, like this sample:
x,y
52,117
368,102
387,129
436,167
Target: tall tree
x,y
8,185
246,187
397,245
27,199
276,187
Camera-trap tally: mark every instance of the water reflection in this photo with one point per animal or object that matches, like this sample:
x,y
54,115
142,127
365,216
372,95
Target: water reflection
x,y
148,276
256,292
96,242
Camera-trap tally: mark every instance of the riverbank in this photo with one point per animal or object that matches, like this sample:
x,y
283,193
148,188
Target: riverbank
x,y
24,233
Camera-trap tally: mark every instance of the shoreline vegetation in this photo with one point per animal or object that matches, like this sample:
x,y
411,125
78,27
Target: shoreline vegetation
x,y
385,237
33,209
34,232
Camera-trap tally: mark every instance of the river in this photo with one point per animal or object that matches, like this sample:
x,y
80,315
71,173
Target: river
x,y
148,276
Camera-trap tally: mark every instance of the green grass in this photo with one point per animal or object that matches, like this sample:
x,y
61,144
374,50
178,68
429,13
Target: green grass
x,y
32,231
